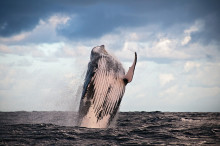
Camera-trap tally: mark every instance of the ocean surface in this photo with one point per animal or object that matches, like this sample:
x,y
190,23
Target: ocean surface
x,y
131,128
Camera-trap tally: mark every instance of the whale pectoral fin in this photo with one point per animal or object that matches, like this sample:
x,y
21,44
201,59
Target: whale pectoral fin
x,y
129,76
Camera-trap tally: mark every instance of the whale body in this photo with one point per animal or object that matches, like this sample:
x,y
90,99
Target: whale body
x,y
103,89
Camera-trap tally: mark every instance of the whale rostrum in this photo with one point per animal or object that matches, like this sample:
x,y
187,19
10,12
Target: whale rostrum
x,y
103,89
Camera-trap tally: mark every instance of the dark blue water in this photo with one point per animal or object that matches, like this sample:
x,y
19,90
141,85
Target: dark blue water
x,y
131,128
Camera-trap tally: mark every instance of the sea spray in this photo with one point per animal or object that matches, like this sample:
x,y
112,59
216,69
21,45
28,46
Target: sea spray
x,y
69,97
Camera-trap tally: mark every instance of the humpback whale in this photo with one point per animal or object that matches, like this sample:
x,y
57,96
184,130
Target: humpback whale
x,y
103,89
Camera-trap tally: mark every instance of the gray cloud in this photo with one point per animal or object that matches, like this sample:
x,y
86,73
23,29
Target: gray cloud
x,y
96,18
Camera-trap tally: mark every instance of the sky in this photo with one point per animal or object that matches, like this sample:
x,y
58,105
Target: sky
x,y
45,48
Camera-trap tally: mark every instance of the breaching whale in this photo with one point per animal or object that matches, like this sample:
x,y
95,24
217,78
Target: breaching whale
x,y
103,89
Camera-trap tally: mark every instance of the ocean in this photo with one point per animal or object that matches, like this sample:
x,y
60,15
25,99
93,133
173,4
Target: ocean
x,y
131,128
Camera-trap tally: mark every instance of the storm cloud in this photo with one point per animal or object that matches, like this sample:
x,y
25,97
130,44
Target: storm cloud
x,y
93,19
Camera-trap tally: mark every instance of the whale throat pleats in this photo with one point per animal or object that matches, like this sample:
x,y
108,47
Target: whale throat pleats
x,y
104,91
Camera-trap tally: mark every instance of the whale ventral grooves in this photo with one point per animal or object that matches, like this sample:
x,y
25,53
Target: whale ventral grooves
x,y
103,89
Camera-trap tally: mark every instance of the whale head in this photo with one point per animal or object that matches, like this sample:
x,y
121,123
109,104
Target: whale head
x,y
98,51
